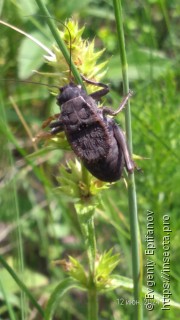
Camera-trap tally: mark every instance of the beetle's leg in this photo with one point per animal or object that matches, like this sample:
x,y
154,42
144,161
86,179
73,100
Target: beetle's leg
x,y
48,120
100,93
56,126
121,140
111,112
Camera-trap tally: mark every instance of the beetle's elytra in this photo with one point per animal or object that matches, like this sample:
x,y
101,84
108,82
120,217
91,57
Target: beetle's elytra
x,y
96,139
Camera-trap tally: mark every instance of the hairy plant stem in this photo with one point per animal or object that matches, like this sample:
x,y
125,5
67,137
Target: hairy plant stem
x,y
134,227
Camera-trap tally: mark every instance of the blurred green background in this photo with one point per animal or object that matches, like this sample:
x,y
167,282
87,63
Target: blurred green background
x,y
36,226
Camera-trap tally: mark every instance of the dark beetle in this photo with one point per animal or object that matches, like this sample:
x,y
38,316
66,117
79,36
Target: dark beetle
x,y
95,139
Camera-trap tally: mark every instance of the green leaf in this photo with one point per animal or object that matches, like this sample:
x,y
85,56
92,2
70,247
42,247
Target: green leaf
x,y
33,280
117,281
58,293
30,56
77,271
28,6
104,267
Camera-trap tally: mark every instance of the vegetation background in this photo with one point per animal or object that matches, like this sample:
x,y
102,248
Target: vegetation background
x,y
36,226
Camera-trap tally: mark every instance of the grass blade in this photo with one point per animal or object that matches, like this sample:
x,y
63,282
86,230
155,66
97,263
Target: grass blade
x,y
21,285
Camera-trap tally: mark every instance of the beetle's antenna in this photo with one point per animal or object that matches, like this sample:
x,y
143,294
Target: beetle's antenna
x,y
33,82
70,39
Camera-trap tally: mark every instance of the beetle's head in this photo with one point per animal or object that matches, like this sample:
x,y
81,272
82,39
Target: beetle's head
x,y
69,92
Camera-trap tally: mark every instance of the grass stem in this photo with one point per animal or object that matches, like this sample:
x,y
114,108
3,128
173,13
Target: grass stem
x,y
134,227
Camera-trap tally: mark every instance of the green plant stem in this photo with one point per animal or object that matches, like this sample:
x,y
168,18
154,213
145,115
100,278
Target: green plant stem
x,y
92,304
92,291
58,39
85,176
91,245
88,230
134,227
